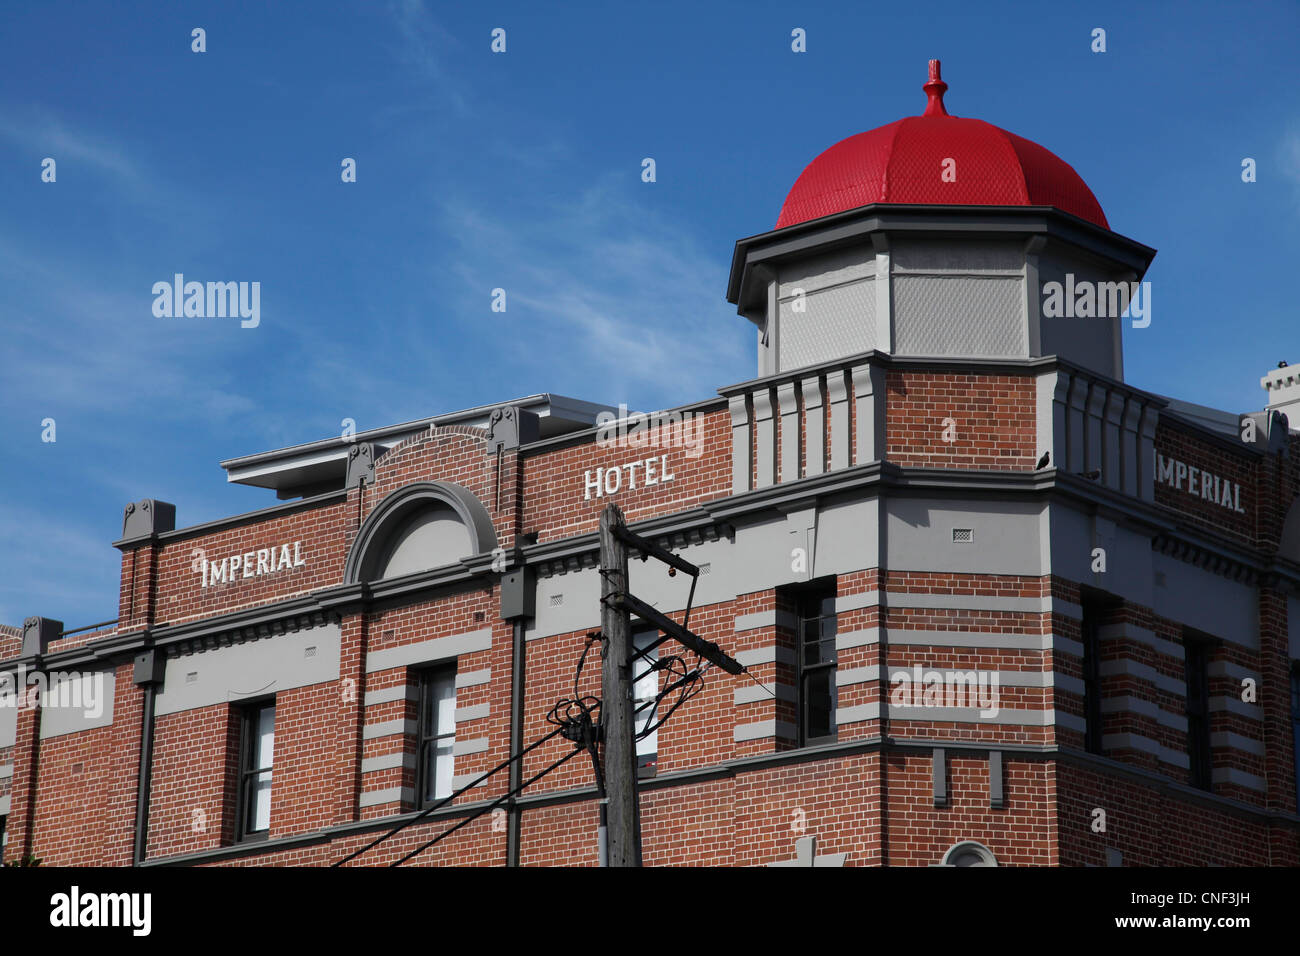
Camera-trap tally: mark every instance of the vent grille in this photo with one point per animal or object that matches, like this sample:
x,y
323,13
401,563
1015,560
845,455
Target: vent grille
x,y
557,600
963,535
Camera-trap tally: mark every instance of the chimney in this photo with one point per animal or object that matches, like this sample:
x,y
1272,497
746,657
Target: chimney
x,y
1283,387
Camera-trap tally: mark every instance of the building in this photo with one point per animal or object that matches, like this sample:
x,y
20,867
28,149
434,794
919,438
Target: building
x,y
998,605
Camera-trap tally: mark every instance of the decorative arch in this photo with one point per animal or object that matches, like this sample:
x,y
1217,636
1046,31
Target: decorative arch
x,y
969,853
404,513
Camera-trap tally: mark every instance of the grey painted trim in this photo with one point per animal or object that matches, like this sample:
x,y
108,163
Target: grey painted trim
x,y
254,668
1234,671
788,400
374,798
1239,777
426,652
473,678
887,219
861,638
1034,679
6,770
996,797
848,676
971,602
586,435
1071,722
858,714
387,762
1130,741
765,655
4,805
750,694
814,426
1025,642
1141,635
1144,672
750,622
388,728
764,438
474,712
1234,741
1146,708
463,748
1235,705
387,695
389,515
939,777
741,478
465,779
856,602
759,729
837,397
234,521
60,720
971,715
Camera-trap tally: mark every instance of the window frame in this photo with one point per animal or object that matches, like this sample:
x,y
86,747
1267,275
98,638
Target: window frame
x,y
645,768
803,597
1196,673
426,701
249,716
1295,723
1090,627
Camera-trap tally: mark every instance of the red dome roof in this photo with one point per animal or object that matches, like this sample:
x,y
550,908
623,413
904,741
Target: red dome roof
x,y
904,162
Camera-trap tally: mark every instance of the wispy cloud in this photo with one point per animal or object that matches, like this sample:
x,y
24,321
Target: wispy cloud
x,y
72,567
423,47
623,291
1289,155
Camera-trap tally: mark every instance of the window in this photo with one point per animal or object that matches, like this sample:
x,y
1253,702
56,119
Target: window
x,y
257,751
437,735
1091,677
644,691
815,663
1197,654
1295,724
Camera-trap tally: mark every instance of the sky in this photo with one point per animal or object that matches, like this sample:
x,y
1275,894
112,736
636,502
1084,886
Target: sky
x,y
522,170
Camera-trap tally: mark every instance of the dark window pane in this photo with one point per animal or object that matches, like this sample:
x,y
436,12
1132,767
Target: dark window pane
x,y
819,697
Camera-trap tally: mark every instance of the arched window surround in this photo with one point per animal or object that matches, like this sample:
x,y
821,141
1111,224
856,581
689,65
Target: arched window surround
x,y
390,516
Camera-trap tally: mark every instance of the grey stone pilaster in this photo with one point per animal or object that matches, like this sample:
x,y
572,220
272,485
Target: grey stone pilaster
x,y
740,456
1147,453
837,396
869,395
787,397
1112,439
814,426
1076,429
1096,410
1132,418
764,438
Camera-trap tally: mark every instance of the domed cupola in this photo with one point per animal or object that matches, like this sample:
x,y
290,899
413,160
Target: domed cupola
x,y
937,158
935,236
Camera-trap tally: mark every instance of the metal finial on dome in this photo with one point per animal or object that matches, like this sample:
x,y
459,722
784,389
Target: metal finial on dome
x,y
934,89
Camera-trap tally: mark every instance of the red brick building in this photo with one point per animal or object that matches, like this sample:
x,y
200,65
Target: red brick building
x,y
997,605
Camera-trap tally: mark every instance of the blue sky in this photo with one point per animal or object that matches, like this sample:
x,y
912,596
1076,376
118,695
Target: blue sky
x,y
522,171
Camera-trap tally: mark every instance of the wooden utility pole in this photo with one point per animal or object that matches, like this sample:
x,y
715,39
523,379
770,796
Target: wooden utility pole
x,y
622,814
